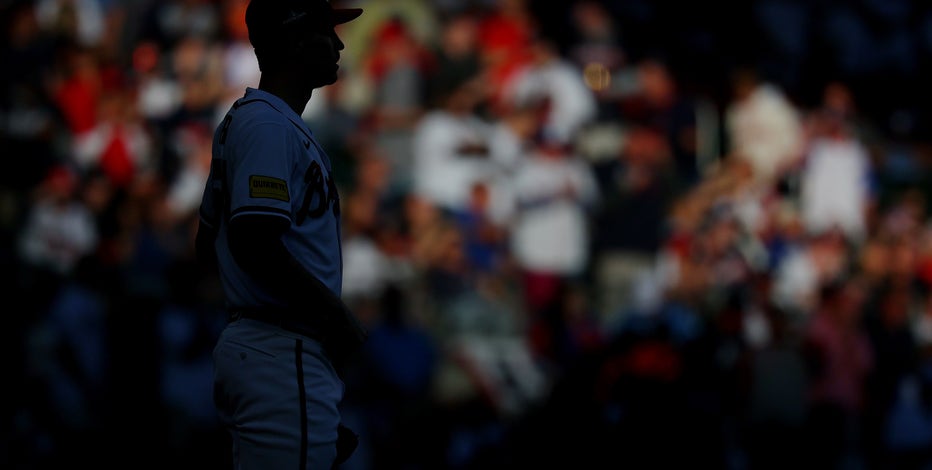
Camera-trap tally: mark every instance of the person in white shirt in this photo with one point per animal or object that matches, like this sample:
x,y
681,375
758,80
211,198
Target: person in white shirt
x,y
559,82
60,229
763,127
554,189
451,149
835,180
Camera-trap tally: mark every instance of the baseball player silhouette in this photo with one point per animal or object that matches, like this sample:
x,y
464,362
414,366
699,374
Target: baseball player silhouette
x,y
270,225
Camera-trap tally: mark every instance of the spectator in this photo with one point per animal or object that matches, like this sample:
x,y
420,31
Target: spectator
x,y
596,37
241,69
119,143
635,185
555,191
763,126
81,21
799,277
158,95
839,358
402,359
836,179
69,367
887,321
397,67
455,57
664,105
367,269
484,234
170,22
451,148
76,88
506,28
32,124
550,78
184,190
59,229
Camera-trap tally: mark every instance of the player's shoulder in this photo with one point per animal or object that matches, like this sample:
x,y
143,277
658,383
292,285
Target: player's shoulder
x,y
260,104
258,109
256,118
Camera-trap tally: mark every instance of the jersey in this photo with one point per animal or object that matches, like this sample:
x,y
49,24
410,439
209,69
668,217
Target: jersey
x,y
266,161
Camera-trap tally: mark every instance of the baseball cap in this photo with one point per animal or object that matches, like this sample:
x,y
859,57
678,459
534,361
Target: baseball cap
x,y
269,21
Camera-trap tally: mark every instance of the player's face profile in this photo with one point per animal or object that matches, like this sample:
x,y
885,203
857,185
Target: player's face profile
x,y
319,55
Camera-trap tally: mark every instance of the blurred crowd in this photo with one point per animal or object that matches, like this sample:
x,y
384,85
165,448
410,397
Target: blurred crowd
x,y
592,234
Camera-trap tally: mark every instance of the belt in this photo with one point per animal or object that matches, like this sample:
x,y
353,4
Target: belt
x,y
288,320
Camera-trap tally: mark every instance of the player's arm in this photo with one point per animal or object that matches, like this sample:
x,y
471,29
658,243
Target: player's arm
x,y
257,247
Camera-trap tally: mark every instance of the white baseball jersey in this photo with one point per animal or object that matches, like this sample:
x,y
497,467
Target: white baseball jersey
x,y
266,161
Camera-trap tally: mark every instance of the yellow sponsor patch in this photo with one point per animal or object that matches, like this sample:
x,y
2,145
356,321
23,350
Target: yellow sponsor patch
x,y
268,188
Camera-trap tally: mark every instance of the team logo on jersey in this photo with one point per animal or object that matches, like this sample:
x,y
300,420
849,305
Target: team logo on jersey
x,y
268,188
321,194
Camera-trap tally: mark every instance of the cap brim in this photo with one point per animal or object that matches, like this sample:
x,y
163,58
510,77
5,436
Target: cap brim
x,y
345,15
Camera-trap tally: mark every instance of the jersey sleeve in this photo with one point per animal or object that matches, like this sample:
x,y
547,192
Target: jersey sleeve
x,y
260,170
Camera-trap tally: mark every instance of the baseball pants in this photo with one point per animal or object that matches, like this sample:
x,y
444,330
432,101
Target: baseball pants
x,y
277,394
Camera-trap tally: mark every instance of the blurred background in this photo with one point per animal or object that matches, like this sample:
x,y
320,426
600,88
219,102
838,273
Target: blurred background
x,y
587,234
